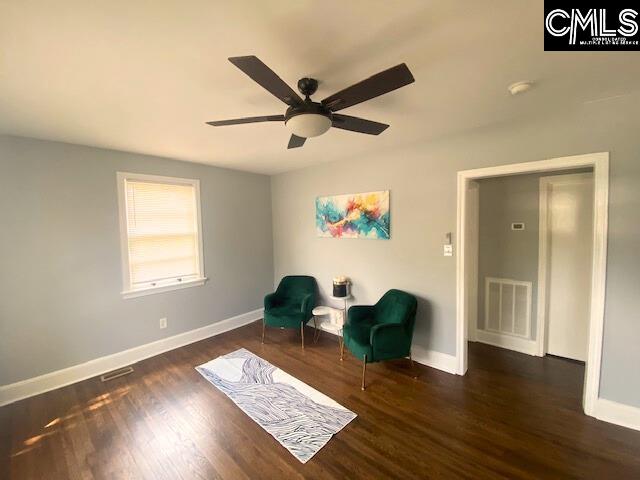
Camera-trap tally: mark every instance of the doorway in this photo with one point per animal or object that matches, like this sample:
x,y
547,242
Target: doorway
x,y
467,265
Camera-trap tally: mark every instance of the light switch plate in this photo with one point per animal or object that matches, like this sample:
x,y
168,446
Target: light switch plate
x,y
448,250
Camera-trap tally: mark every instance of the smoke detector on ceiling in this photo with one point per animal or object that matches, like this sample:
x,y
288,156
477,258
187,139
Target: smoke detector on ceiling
x,y
519,87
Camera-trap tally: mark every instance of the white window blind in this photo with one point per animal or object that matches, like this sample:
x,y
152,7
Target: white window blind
x,y
162,232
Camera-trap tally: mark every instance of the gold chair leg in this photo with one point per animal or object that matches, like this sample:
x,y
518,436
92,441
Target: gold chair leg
x,y
364,371
413,367
262,341
302,334
341,348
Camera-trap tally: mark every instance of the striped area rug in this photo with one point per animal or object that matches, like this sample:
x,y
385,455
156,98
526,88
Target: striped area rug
x,y
302,419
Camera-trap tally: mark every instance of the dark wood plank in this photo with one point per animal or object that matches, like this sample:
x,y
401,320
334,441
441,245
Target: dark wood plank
x,y
511,416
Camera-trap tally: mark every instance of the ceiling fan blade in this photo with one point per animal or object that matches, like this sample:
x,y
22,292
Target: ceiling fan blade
x,y
296,141
265,77
356,124
238,121
374,86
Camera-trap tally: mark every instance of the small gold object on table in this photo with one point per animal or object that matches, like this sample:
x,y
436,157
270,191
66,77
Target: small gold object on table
x,y
341,287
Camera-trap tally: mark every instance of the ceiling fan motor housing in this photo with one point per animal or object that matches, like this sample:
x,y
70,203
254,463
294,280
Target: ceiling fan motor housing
x,y
307,86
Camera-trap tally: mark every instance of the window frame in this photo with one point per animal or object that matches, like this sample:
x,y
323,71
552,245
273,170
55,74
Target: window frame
x,y
127,290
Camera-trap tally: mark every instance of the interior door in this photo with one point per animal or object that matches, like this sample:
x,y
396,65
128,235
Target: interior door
x,y
569,256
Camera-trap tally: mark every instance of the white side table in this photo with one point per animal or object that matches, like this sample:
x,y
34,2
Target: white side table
x,y
344,309
328,325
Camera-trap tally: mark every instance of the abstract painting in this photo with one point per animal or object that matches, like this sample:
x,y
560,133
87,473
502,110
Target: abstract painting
x,y
302,419
357,215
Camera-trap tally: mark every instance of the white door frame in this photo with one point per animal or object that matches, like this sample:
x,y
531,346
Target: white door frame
x,y
543,245
600,164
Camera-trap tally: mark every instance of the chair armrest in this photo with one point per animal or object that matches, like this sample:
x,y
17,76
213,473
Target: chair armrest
x,y
270,301
388,337
307,305
358,313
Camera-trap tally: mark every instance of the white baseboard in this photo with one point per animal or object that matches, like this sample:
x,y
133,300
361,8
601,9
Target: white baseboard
x,y
431,358
518,344
618,413
60,378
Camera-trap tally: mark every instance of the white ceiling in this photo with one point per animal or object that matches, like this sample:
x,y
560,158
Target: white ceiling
x,y
145,75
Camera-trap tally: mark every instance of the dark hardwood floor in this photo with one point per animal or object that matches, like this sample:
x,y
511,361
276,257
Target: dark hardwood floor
x,y
511,416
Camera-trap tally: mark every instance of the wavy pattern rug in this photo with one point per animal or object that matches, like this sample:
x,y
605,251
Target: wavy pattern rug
x,y
302,419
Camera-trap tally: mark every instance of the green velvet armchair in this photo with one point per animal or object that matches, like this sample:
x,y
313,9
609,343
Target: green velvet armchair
x,y
290,306
382,331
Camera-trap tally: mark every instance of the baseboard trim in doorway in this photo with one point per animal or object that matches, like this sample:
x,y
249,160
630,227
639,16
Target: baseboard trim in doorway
x,y
522,345
618,413
431,358
76,373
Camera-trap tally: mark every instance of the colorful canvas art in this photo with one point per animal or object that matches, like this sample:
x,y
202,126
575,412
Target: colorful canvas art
x,y
358,215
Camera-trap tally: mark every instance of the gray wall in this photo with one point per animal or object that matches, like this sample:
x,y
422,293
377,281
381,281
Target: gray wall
x,y
422,180
507,253
60,272
502,252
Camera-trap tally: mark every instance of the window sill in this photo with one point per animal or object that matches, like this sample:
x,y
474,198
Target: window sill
x,y
196,282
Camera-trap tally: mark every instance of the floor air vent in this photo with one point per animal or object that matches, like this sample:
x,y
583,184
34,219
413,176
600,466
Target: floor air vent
x,y
508,307
116,373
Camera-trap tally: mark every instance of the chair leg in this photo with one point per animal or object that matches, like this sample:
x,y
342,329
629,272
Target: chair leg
x,y
364,371
302,334
413,367
262,341
341,348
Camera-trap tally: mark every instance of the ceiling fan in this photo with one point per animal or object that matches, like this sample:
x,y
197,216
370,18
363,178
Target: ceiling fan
x,y
306,118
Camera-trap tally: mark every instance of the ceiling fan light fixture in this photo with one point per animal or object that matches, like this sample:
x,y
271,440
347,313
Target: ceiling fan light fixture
x,y
308,125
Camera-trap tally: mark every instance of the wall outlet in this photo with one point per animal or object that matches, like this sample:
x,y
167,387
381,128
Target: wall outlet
x,y
163,323
448,250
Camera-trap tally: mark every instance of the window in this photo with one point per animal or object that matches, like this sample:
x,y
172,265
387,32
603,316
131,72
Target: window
x,y
161,233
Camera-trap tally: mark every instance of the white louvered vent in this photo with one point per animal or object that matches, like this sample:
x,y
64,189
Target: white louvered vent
x,y
507,307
